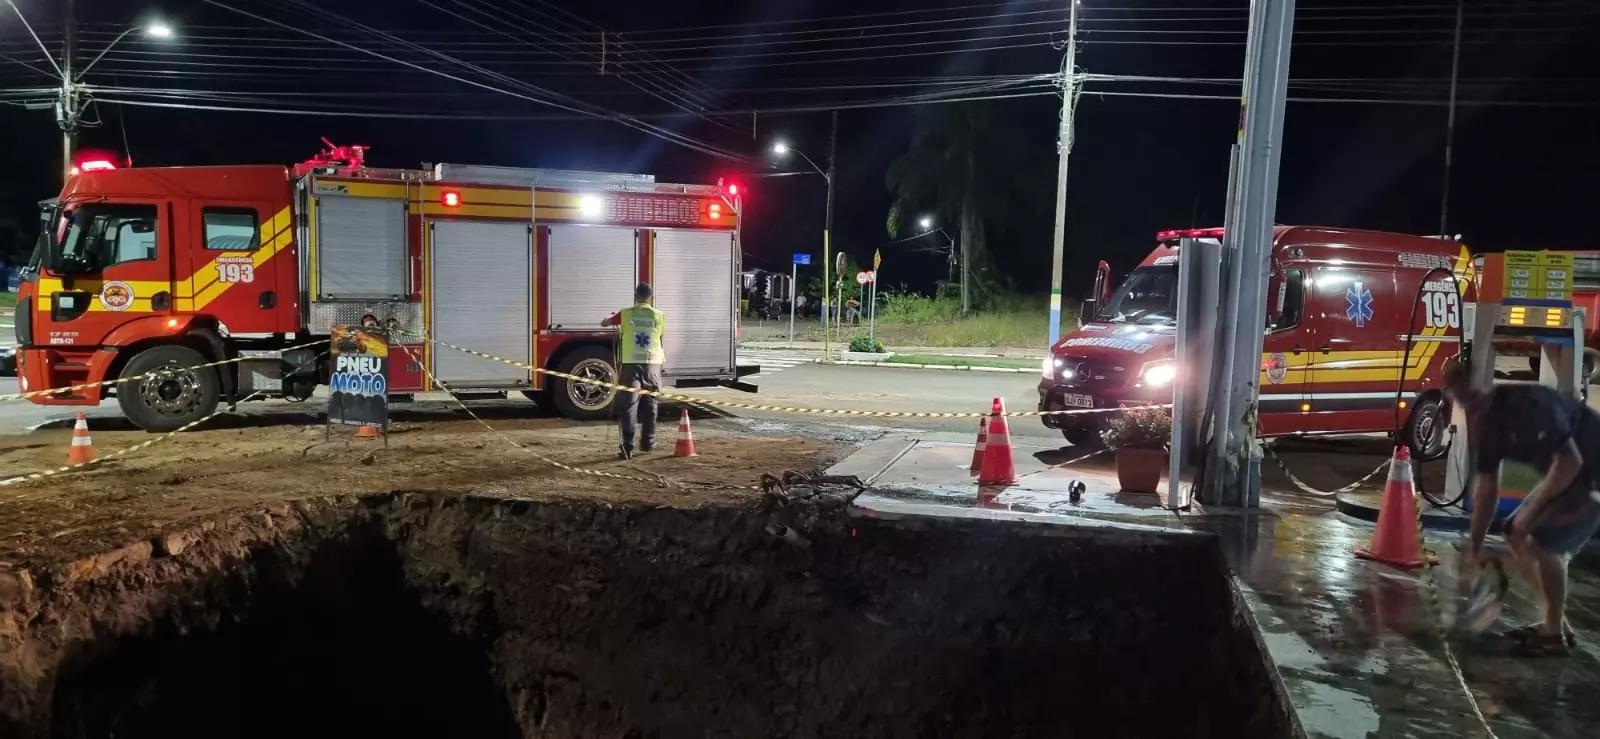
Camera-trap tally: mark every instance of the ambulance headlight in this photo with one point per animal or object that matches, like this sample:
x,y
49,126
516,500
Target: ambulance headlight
x,y
1158,374
1052,368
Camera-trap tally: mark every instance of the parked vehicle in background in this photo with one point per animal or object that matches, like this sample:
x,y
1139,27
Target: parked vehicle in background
x,y
165,269
1339,303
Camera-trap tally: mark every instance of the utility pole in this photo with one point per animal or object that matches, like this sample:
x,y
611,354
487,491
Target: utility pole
x,y
827,235
1069,76
67,111
1237,478
1450,125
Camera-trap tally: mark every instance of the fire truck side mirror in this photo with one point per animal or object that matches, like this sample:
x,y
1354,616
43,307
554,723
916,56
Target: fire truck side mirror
x,y
1088,311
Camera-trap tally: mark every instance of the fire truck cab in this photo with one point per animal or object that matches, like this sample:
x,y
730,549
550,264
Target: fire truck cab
x,y
168,269
1339,305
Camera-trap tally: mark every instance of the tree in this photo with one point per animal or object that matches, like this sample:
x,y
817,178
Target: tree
x,y
961,164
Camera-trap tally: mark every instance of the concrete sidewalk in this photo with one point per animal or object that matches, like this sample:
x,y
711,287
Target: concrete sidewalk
x,y
1354,643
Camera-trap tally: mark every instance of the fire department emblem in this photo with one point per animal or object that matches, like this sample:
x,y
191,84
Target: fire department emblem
x,y
116,295
1277,368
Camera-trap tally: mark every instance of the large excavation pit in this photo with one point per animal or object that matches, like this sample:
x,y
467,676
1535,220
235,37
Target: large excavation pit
x,y
430,615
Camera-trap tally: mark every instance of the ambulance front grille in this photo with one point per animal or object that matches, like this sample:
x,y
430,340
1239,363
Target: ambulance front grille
x,y
1095,374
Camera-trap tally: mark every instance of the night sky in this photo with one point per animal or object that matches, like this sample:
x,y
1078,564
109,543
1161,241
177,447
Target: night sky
x,y
1364,148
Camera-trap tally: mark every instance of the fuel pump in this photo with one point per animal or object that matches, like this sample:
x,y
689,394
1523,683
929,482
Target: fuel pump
x,y
1521,296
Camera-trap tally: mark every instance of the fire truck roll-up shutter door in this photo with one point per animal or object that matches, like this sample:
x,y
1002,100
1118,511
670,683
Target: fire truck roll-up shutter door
x,y
482,285
593,270
361,248
694,287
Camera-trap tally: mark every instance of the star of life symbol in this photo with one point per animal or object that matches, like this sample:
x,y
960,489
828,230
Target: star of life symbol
x,y
1358,300
641,339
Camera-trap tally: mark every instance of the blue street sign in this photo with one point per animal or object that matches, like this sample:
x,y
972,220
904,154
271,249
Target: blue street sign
x,y
802,259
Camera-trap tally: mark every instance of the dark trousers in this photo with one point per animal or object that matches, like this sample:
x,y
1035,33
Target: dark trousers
x,y
634,406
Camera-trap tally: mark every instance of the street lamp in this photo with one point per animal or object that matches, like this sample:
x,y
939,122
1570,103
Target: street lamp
x,y
153,29
927,225
782,149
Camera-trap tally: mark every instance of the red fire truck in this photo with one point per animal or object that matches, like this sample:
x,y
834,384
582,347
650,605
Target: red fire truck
x,y
1339,301
153,268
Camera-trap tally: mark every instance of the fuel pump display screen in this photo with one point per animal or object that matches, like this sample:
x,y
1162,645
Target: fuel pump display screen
x,y
1535,317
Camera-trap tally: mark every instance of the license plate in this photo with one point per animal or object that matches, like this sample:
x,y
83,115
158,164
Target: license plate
x,y
1074,400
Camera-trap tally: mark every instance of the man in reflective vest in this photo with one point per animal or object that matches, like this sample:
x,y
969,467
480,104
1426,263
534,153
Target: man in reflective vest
x,y
640,327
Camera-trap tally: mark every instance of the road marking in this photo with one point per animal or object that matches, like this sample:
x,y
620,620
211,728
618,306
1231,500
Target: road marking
x,y
772,361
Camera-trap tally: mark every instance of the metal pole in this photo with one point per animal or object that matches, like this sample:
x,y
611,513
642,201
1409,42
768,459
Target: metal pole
x,y
1450,125
794,292
1261,141
68,119
872,309
1064,144
827,230
1222,356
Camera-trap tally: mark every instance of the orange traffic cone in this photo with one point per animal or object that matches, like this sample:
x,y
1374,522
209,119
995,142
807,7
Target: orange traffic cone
x,y
366,432
685,445
82,449
977,449
1396,541
998,468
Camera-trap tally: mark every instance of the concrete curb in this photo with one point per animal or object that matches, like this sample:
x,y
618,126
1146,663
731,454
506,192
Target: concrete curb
x,y
962,367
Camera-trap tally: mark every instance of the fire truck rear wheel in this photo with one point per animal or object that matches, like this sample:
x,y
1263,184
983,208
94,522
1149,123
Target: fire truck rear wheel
x,y
580,401
178,392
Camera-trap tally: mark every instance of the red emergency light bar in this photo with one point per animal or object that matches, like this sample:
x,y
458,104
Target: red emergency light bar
x,y
1189,233
94,165
716,211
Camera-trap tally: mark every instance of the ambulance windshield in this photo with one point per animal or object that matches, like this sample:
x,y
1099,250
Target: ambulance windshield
x,y
1148,296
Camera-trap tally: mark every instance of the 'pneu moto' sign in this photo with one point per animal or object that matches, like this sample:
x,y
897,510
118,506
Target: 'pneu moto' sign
x,y
360,378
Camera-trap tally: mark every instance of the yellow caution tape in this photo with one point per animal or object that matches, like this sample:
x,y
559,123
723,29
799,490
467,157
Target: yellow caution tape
x,y
131,378
119,453
774,408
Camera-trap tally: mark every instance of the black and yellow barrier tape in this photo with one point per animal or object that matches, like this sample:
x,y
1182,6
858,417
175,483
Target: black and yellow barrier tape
x,y
773,408
153,373
32,477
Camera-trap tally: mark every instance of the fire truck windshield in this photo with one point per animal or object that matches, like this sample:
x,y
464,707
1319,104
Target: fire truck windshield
x,y
94,236
1148,296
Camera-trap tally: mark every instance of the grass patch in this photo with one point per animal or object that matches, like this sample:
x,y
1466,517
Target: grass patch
x,y
913,320
8,300
947,361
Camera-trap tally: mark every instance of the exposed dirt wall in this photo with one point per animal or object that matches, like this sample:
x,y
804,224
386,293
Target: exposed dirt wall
x,y
422,615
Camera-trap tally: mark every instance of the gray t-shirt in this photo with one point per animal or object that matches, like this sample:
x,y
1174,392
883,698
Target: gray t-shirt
x,y
1527,424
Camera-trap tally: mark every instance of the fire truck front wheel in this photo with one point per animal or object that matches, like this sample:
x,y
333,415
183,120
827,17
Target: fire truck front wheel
x,y
581,401
171,391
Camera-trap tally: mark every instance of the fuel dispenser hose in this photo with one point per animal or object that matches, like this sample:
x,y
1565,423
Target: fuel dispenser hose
x,y
1405,364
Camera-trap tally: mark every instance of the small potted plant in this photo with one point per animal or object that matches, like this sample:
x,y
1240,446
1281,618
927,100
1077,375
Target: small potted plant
x,y
865,349
1139,437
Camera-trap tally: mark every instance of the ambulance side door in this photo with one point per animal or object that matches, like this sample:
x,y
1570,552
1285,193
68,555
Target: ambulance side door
x,y
1286,352
1355,359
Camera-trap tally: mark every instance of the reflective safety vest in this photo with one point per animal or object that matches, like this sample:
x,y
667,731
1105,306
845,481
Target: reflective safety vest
x,y
641,328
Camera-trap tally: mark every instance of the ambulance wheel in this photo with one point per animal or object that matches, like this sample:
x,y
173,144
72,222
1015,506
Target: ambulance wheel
x,y
580,401
1427,430
1081,436
177,395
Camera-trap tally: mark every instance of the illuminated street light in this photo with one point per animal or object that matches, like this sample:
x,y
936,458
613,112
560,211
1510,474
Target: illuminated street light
x,y
153,29
780,148
925,223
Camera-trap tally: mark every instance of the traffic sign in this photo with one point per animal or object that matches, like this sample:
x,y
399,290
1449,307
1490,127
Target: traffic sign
x,y
877,259
864,277
803,259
